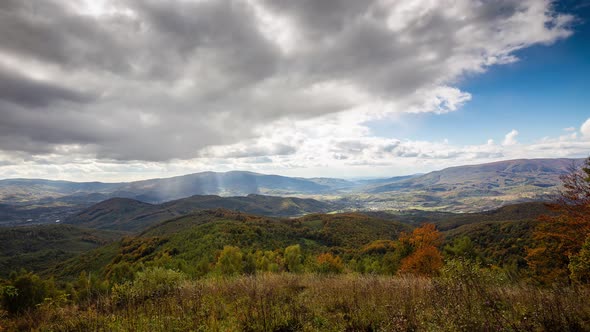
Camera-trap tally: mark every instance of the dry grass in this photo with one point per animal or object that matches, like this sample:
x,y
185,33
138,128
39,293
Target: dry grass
x,y
290,302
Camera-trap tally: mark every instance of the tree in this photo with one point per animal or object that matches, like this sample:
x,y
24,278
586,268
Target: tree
x,y
462,247
294,258
425,259
561,235
425,236
579,265
230,261
249,263
328,263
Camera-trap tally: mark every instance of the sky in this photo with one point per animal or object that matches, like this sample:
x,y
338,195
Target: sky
x,y
105,90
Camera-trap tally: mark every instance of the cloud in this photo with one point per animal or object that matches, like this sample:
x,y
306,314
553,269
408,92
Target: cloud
x,y
19,89
171,81
249,149
343,154
585,129
510,138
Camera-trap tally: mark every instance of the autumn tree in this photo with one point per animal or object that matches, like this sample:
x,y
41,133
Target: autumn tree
x,y
230,261
328,263
294,258
560,236
425,259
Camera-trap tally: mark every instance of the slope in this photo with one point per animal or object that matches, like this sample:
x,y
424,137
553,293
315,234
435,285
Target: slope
x,y
40,247
194,240
131,215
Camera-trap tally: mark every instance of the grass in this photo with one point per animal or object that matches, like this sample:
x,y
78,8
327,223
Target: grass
x,y
309,302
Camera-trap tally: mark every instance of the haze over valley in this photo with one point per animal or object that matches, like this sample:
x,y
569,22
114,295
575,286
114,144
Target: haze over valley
x,y
458,189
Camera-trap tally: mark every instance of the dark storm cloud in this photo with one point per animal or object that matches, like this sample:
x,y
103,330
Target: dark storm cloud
x,y
160,80
24,91
50,31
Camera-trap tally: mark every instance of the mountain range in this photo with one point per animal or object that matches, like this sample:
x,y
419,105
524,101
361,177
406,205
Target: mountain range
x,y
461,189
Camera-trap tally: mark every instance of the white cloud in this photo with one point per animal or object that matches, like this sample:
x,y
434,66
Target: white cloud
x,y
510,138
585,129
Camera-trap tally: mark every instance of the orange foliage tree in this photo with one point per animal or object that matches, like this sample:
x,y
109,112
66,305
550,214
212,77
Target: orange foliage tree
x,y
560,237
328,263
425,259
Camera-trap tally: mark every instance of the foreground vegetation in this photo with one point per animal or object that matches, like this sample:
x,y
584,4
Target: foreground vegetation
x,y
463,298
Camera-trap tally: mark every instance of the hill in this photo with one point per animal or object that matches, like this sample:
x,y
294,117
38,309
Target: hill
x,y
132,215
192,241
41,247
500,236
447,220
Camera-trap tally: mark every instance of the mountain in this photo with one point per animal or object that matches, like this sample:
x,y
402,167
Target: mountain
x,y
540,173
473,188
132,215
384,181
15,191
235,183
458,189
224,184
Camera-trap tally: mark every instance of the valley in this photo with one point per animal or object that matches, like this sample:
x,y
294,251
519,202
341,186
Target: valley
x,y
458,189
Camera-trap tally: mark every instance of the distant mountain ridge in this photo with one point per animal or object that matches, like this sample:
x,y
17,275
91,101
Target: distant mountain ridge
x,y
234,183
511,173
468,188
132,215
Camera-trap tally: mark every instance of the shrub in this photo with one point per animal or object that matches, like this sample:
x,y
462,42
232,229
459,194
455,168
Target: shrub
x,y
25,291
150,283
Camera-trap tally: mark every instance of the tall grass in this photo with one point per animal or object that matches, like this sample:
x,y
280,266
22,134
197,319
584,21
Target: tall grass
x,y
458,301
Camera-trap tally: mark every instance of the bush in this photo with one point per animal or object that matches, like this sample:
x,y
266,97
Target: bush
x,y
25,291
150,283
